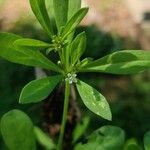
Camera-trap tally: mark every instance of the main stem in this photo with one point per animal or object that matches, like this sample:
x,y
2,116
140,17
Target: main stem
x,y
64,117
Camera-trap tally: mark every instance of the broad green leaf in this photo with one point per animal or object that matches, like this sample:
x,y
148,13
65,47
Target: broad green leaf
x,y
74,21
78,47
105,138
23,56
39,10
17,131
31,43
147,141
132,144
61,12
123,62
44,139
80,129
38,90
93,100
73,7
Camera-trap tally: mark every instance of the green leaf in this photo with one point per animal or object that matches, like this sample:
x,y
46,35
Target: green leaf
x,y
132,144
123,62
31,43
94,100
74,21
38,90
44,139
78,47
105,138
39,9
147,141
80,129
85,61
61,12
17,131
50,9
74,6
22,55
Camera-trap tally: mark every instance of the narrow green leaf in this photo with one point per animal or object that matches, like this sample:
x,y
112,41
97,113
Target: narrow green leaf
x,y
38,90
73,7
105,138
93,100
50,8
80,129
31,43
44,139
39,10
78,47
123,62
86,61
61,12
147,141
74,22
22,55
17,131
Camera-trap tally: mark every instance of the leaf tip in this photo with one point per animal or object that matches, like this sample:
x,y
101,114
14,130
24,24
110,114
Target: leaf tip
x,y
109,115
109,118
85,8
21,100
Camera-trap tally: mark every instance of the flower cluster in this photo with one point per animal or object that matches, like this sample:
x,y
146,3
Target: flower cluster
x,y
58,42
71,78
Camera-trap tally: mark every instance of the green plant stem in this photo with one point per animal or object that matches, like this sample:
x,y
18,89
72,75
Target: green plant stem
x,y
63,56
64,117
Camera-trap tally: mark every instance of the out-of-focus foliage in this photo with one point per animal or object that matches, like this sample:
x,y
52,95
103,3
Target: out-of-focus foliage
x,y
147,141
17,131
104,138
80,129
12,78
132,144
43,139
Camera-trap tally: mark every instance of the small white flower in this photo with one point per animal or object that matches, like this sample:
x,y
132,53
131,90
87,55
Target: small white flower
x,y
71,78
59,62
